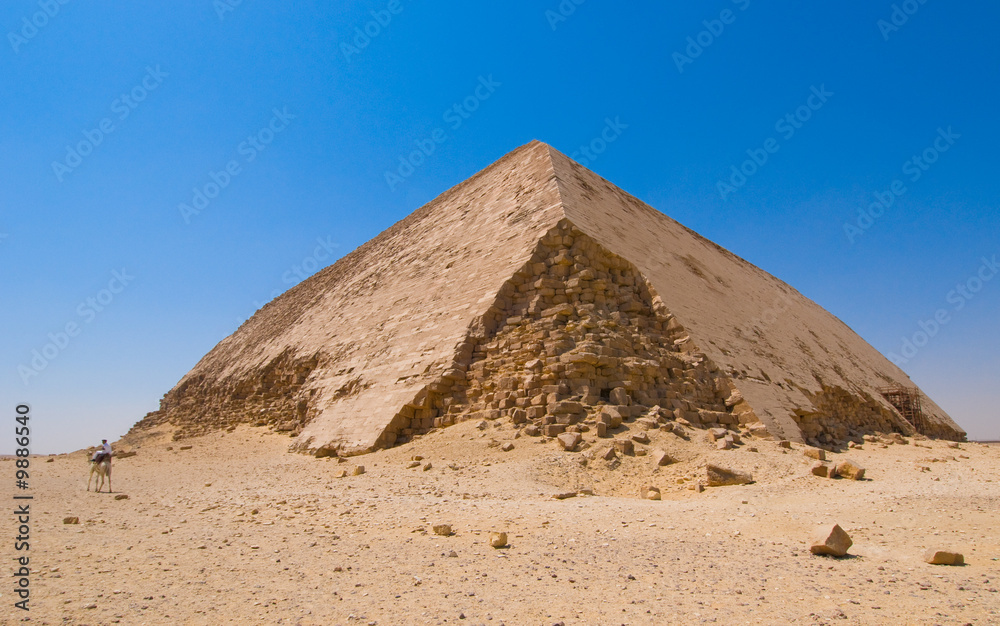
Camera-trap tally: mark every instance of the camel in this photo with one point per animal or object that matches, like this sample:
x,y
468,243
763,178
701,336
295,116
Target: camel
x,y
102,469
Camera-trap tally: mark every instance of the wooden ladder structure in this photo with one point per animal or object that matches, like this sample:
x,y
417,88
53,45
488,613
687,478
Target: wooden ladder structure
x,y
907,402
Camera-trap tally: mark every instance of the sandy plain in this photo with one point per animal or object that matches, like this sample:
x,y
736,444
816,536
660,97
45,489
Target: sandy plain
x,y
230,528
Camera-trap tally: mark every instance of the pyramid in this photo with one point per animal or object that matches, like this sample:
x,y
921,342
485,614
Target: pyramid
x,y
538,292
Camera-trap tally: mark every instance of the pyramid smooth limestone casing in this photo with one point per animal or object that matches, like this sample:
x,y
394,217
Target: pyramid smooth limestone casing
x,y
391,339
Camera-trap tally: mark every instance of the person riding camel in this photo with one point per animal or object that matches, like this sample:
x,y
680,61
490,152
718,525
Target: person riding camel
x,y
104,452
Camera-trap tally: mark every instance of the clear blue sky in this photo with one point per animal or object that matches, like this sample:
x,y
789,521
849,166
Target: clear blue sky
x,y
113,114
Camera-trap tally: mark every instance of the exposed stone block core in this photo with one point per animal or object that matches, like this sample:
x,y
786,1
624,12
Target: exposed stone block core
x,y
838,415
575,329
277,396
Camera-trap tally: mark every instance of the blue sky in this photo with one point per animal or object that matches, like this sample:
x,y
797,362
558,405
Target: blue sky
x,y
115,115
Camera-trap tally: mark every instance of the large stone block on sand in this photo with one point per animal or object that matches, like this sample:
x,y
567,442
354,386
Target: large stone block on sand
x,y
849,469
660,458
552,430
610,416
718,476
625,446
815,453
569,441
943,557
830,539
821,469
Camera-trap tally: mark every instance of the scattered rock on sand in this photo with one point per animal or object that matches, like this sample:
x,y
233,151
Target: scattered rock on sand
x,y
652,493
442,529
121,496
943,557
553,430
611,416
640,437
830,539
498,540
359,470
71,520
569,441
849,469
507,447
619,395
660,458
625,446
821,469
815,453
721,476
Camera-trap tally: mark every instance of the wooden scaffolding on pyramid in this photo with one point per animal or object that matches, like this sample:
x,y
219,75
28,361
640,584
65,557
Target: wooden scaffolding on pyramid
x,y
907,402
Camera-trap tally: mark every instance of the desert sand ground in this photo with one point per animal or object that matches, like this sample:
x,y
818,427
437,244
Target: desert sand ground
x,y
231,528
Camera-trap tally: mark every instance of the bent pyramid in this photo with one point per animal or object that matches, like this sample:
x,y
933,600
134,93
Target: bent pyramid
x,y
539,292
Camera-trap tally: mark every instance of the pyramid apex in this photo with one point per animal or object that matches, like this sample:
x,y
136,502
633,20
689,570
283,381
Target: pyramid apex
x,y
536,144
540,149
